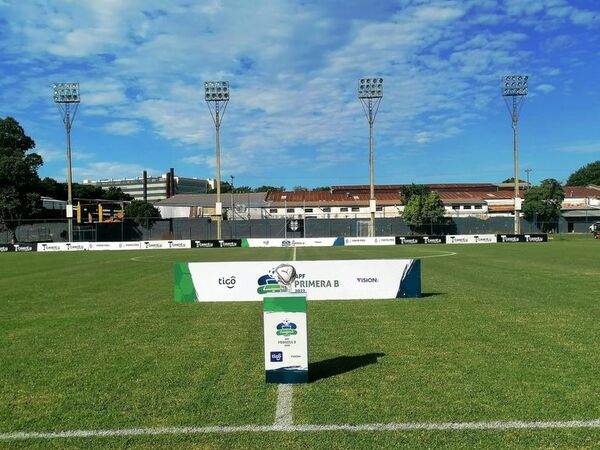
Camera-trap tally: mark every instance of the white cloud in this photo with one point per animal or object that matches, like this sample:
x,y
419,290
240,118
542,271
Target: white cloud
x,y
545,88
108,170
123,127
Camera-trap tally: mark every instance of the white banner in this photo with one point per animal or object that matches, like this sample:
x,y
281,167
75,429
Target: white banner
x,y
385,240
63,246
471,239
296,242
152,245
319,280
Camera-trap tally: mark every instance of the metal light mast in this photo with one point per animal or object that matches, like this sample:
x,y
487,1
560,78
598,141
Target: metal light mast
x,y
65,95
514,92
370,93
216,94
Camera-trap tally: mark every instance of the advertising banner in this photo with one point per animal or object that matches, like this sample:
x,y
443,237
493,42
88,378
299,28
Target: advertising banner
x,y
320,280
522,238
471,239
26,247
7,248
385,240
297,242
407,240
286,338
213,243
152,245
63,246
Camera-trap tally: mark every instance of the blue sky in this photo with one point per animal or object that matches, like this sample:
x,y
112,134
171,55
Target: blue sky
x,y
293,67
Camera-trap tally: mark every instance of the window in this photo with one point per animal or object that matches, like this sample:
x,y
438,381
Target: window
x,y
290,210
467,207
355,209
308,210
327,209
379,208
343,209
455,207
478,206
273,210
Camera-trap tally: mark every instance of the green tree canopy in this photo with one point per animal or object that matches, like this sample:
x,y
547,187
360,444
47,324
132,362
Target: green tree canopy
x,y
543,202
143,213
242,189
266,188
414,189
588,174
19,181
300,189
423,209
321,188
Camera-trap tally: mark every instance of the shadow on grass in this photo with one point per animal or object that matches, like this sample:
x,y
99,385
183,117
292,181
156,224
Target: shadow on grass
x,y
432,294
341,364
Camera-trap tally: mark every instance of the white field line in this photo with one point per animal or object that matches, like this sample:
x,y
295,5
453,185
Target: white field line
x,y
408,426
142,258
283,412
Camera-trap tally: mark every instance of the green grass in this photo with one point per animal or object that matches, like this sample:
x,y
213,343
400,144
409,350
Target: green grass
x,y
506,332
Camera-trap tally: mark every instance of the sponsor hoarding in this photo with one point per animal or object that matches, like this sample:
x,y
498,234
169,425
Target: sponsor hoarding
x,y
522,238
471,239
63,246
214,243
384,240
408,240
285,338
7,248
165,244
299,242
319,280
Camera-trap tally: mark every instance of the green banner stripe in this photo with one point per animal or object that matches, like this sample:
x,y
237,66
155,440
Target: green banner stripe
x,y
285,304
184,286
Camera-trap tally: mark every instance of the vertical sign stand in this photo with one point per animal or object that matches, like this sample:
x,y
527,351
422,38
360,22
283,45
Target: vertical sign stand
x,y
286,338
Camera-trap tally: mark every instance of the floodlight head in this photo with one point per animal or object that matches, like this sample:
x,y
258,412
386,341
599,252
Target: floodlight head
x,y
66,92
515,85
216,91
370,87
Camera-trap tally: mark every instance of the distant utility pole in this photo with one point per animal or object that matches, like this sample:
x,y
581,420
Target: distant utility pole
x,y
370,93
528,171
232,200
515,88
65,95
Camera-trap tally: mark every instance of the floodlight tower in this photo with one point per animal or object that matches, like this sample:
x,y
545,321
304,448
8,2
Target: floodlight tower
x,y
515,88
370,93
66,96
216,94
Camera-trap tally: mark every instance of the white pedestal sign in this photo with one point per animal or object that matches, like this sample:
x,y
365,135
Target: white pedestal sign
x,y
286,338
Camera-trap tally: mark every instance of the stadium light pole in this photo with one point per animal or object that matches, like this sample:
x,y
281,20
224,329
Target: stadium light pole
x,y
66,96
370,93
232,199
216,94
514,92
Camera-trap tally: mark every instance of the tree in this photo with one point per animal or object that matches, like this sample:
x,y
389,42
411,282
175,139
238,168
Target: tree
x,y
321,188
143,213
414,189
225,187
543,203
115,193
589,174
242,189
266,188
423,209
19,180
509,180
300,189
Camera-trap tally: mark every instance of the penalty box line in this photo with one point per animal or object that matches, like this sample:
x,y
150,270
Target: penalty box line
x,y
408,426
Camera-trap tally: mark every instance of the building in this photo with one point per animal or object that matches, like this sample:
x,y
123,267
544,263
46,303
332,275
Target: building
x,y
157,187
236,206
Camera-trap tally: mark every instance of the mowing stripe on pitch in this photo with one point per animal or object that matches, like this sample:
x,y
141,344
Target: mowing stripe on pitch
x,y
408,426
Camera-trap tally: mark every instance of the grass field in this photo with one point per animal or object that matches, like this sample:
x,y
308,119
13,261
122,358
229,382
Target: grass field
x,y
507,332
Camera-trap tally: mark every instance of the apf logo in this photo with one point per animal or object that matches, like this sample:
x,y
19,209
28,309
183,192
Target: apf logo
x,y
227,282
287,328
286,275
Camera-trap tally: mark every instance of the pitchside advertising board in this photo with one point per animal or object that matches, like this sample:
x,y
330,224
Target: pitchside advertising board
x,y
522,238
286,338
318,280
300,242
386,240
471,239
214,243
410,240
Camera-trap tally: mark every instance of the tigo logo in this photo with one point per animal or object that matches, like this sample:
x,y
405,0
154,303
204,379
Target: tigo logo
x,y
276,356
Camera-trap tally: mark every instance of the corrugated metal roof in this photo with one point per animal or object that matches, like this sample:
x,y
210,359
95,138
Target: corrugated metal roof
x,y
254,199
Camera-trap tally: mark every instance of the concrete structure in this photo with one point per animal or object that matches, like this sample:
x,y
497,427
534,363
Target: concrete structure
x,y
237,206
157,187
